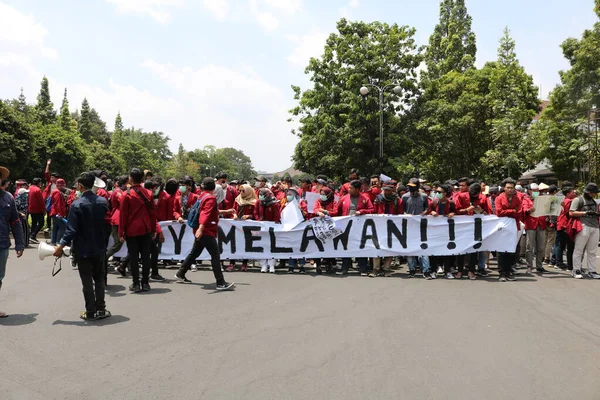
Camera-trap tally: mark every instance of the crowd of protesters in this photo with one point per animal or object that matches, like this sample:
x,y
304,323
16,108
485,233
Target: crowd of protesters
x,y
128,208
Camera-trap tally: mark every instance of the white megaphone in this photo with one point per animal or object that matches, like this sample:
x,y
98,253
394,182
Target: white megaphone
x,y
45,250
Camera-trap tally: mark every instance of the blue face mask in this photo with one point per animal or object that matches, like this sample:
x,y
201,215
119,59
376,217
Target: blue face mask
x,y
323,197
439,196
182,189
78,193
535,194
261,198
290,198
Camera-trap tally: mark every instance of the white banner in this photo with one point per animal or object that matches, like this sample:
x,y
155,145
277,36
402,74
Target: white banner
x,y
362,236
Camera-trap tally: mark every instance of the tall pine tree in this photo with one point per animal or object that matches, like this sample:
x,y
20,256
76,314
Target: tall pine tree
x,y
85,123
44,107
66,122
452,45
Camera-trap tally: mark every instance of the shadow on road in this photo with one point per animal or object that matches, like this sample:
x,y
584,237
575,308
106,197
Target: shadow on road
x,y
115,319
115,290
18,319
156,291
211,287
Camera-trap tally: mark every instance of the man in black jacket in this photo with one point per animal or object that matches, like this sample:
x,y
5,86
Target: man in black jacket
x,y
85,228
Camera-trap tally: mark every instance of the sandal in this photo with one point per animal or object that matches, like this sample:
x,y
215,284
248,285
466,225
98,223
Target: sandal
x,y
3,315
472,276
458,275
84,316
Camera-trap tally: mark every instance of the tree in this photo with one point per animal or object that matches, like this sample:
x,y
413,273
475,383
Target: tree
x,y
44,107
22,102
181,164
452,46
16,141
564,131
514,102
66,122
338,129
84,124
240,165
101,157
118,122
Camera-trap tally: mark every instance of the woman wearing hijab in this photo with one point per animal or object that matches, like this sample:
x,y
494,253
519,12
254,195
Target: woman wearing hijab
x,y
243,209
326,205
267,209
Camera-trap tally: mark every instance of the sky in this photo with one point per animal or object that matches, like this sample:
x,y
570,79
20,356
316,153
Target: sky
x,y
219,72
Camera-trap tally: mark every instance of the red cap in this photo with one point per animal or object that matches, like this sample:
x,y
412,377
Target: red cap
x,y
61,182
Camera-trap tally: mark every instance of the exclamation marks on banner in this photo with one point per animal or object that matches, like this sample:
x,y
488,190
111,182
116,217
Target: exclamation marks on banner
x,y
478,233
451,234
424,233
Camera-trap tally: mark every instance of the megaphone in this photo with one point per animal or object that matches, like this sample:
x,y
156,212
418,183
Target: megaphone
x,y
45,250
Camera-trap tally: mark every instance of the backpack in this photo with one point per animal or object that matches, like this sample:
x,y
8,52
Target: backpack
x,y
49,204
194,214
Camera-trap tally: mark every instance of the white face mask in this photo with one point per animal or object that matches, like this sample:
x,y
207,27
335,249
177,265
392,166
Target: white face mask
x,y
94,189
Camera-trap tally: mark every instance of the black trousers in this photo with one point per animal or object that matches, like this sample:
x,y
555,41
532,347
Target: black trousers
x,y
506,262
107,232
139,246
91,272
441,261
210,244
25,225
470,259
155,247
37,223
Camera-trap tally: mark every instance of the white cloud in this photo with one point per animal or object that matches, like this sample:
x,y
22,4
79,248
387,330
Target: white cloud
x,y
219,8
157,9
289,7
354,3
266,19
306,46
230,107
20,33
346,12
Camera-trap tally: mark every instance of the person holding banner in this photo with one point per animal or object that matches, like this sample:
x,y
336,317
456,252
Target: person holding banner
x,y
508,204
443,205
417,203
354,203
387,202
267,209
562,223
85,229
292,194
206,237
244,207
325,205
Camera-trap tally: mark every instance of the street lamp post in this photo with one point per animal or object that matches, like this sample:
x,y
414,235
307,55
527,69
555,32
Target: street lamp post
x,y
364,91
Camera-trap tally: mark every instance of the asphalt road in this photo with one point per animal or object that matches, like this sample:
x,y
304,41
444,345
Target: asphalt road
x,y
300,337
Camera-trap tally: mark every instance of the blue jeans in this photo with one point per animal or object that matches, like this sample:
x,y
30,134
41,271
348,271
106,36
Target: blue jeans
x,y
3,259
482,258
58,229
413,261
294,262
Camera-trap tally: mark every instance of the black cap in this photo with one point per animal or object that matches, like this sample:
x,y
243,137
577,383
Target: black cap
x,y
414,182
591,188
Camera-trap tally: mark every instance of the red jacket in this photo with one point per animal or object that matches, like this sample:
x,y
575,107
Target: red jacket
x,y
373,193
71,199
59,204
345,189
531,223
209,215
449,207
392,209
331,208
363,205
138,217
106,195
177,206
463,201
48,189
271,213
164,208
115,213
562,222
510,210
37,205
240,211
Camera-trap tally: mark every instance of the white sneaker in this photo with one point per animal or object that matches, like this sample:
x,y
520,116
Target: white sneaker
x,y
577,274
593,275
272,270
449,275
194,267
440,270
528,271
263,269
434,275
